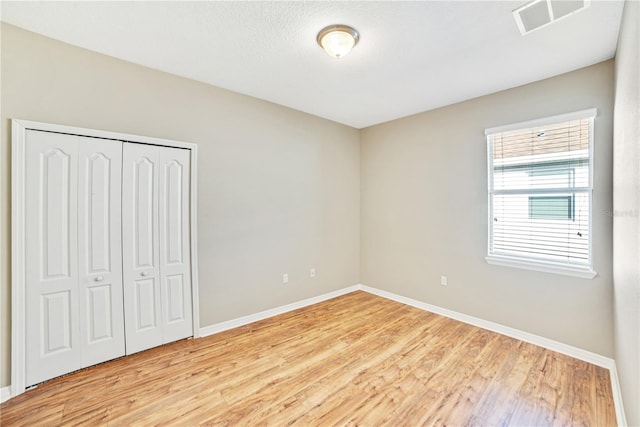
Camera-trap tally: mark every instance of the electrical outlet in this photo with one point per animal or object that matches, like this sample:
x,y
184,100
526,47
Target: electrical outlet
x,y
443,280
312,273
285,278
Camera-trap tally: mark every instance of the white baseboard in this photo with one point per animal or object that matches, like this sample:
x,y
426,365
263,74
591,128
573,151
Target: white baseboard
x,y
5,394
617,396
245,320
575,352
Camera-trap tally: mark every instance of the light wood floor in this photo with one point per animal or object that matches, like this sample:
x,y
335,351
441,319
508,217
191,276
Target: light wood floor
x,y
358,360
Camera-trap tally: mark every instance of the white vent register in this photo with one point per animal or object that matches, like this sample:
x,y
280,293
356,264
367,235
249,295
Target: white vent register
x,y
540,13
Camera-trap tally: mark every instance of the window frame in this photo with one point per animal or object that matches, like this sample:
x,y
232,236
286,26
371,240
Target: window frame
x,y
530,263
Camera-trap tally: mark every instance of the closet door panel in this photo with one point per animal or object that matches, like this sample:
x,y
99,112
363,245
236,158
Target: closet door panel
x,y
99,240
144,211
52,333
175,260
144,306
142,293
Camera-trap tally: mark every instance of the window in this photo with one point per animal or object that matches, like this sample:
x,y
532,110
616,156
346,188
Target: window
x,y
540,191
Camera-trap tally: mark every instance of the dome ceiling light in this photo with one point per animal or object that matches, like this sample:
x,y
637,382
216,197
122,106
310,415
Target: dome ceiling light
x,y
337,40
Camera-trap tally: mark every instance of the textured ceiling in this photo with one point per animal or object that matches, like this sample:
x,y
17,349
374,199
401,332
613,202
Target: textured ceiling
x,y
412,56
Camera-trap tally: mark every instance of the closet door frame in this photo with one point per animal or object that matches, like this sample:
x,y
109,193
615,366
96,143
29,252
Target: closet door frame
x,y
19,129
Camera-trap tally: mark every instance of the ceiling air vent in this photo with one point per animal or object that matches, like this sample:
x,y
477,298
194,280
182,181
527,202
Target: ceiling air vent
x,y
539,13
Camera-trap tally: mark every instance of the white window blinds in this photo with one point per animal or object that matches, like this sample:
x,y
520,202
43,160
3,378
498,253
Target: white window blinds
x,y
540,189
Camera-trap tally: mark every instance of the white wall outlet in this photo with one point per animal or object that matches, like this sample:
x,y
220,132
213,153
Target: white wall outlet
x,y
443,280
285,278
312,273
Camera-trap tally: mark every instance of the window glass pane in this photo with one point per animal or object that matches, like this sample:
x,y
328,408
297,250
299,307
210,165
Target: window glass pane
x,y
543,175
551,207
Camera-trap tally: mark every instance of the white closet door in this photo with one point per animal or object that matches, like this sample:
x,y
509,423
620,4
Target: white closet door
x,y
52,321
100,250
141,271
107,250
175,260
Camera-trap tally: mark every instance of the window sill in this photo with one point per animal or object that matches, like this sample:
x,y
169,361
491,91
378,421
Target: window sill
x,y
585,273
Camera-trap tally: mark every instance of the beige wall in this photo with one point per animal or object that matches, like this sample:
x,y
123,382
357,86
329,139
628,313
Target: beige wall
x,y
626,208
424,213
278,190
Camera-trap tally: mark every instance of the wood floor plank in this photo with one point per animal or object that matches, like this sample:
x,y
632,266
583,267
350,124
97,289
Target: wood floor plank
x,y
503,392
354,360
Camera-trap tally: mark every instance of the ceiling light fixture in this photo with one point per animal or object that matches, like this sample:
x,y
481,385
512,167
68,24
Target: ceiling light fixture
x,y
337,40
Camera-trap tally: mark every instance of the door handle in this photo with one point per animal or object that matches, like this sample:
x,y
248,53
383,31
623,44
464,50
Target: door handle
x,y
99,279
144,273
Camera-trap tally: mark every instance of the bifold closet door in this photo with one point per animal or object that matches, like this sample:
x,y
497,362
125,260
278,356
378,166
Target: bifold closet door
x,y
175,243
100,250
156,258
73,280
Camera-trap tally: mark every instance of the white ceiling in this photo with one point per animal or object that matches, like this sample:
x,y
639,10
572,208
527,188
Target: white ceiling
x,y
412,56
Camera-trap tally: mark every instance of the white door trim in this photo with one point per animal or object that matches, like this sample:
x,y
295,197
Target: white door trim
x,y
18,257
